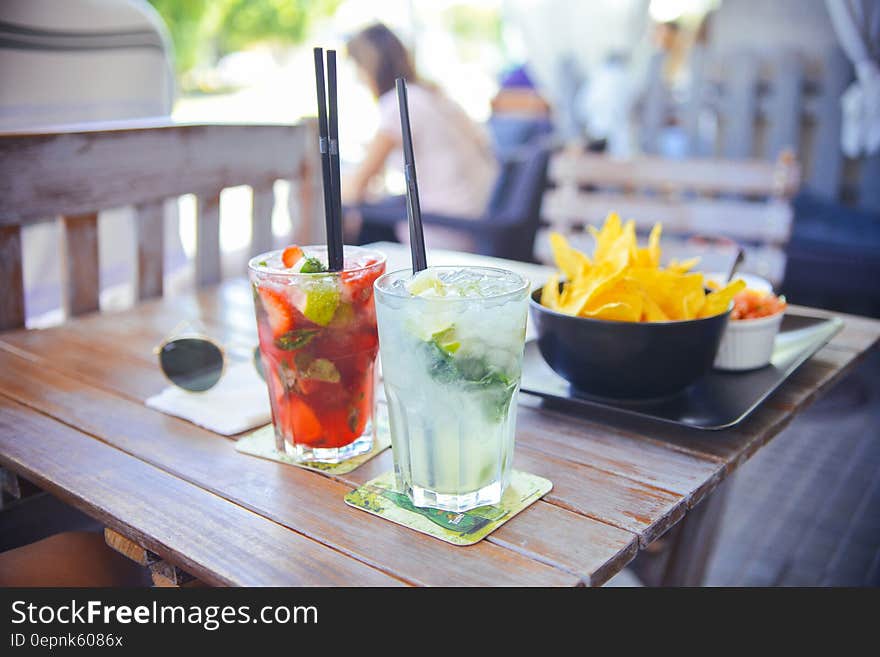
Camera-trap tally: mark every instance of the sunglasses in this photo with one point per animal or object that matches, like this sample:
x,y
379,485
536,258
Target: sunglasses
x,y
196,362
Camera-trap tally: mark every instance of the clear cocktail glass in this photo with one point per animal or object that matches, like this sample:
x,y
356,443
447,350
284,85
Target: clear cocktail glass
x,y
451,346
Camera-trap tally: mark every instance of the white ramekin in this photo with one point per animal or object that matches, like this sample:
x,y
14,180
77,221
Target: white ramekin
x,y
753,282
748,343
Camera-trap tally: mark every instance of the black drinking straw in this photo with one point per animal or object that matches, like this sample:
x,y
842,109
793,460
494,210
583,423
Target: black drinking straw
x,y
413,210
333,124
331,222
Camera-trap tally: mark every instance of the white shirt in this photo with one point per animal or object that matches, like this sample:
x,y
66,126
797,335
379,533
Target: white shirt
x,y
454,162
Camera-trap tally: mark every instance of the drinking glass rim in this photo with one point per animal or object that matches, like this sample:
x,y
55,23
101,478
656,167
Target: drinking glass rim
x,y
253,265
525,283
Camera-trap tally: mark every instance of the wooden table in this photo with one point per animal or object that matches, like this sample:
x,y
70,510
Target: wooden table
x,y
179,497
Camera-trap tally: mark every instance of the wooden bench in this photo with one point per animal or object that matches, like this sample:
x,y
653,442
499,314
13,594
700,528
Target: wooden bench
x,y
745,200
70,173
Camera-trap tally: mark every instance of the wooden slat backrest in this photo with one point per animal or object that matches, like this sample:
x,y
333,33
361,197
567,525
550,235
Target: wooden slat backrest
x,y
82,280
740,107
82,169
757,103
698,175
208,239
150,232
11,278
735,218
746,200
75,171
825,167
261,228
684,194
783,132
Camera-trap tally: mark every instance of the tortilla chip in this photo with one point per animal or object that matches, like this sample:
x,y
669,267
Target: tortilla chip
x,y
571,262
550,293
623,282
719,301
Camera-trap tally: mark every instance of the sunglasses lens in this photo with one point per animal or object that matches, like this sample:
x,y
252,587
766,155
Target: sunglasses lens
x,y
192,363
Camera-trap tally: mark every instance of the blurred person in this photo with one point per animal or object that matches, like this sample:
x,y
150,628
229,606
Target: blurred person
x,y
456,167
669,42
663,93
519,112
568,42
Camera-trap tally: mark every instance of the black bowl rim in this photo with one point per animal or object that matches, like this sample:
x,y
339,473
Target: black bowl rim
x,y
671,322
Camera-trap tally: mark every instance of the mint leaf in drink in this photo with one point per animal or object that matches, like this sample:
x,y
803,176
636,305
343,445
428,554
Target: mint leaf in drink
x,y
354,416
296,339
440,366
317,369
263,263
322,369
312,266
474,375
498,392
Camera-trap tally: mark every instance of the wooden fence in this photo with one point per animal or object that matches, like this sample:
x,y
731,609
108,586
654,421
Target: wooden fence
x,y
745,104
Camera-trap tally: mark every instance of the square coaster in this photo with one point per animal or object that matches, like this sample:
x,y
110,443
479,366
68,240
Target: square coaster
x,y
380,497
262,443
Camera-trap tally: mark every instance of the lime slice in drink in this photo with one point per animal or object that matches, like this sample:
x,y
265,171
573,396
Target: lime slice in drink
x,y
426,284
344,317
320,304
447,340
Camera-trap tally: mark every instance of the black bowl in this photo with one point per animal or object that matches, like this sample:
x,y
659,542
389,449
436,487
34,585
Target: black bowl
x,y
626,360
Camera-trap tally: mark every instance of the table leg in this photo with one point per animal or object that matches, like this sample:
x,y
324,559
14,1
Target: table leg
x,y
10,488
166,575
162,572
681,556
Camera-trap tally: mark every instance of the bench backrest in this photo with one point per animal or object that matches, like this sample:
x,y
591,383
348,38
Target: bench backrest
x,y
73,172
745,200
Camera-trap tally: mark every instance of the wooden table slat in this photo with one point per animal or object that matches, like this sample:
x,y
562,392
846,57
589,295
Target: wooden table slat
x,y
610,498
165,514
643,510
303,501
597,549
646,461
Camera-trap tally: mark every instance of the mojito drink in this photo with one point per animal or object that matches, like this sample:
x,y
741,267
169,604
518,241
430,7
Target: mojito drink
x,y
318,344
451,347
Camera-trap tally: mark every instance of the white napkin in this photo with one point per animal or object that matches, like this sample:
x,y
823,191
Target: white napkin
x,y
237,403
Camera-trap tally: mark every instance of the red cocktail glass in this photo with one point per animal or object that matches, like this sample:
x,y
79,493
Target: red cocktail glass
x,y
318,344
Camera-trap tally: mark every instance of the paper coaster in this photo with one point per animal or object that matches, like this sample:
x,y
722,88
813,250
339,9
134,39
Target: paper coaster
x,y
379,497
262,443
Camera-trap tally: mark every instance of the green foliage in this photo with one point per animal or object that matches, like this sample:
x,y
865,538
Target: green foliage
x,y
474,23
185,20
203,30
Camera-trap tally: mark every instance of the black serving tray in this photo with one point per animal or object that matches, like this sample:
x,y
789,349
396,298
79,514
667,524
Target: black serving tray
x,y
719,400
